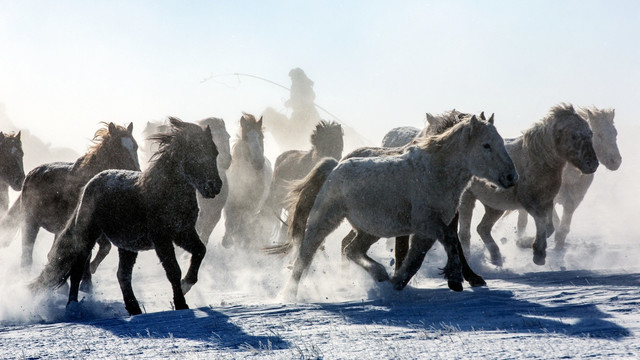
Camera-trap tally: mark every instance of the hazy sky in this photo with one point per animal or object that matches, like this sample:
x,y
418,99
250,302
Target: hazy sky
x,y
67,65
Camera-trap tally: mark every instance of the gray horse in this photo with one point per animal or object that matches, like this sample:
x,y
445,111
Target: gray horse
x,y
414,193
574,183
540,155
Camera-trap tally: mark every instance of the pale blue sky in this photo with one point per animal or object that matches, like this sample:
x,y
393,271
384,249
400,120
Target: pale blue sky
x,y
376,64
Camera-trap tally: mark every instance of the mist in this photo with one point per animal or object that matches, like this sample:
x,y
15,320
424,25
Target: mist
x,y
375,65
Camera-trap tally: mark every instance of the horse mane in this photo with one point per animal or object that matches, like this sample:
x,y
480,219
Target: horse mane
x,y
443,140
538,139
325,127
100,138
167,139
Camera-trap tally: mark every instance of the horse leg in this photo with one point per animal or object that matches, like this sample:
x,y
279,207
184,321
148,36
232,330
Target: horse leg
x,y
523,218
418,248
167,255
356,251
231,224
76,274
544,229
345,243
125,268
452,233
104,247
465,211
401,250
191,243
491,216
30,231
208,218
565,224
321,223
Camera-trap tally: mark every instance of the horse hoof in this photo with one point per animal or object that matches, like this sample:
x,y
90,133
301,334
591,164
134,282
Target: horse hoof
x,y
182,307
525,242
539,259
454,285
475,282
496,260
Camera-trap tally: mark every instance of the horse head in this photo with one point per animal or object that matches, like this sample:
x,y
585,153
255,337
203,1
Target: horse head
x,y
198,157
221,139
604,137
11,156
327,139
253,137
573,139
488,156
119,147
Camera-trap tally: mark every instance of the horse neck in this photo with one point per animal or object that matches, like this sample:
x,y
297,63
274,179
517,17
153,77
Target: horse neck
x,y
447,167
162,176
89,165
542,150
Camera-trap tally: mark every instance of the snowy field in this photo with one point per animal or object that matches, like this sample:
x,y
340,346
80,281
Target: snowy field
x,y
583,304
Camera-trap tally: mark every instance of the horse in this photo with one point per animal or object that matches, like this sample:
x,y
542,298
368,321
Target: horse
x,y
574,183
211,209
11,166
413,193
396,142
51,191
326,141
540,155
249,177
138,211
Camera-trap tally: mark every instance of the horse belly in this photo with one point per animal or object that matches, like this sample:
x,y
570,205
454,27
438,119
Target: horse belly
x,y
499,199
381,223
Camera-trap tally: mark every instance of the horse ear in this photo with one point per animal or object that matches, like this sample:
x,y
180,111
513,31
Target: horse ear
x,y
243,122
590,114
482,116
175,122
207,130
491,118
474,123
112,127
431,120
260,122
130,128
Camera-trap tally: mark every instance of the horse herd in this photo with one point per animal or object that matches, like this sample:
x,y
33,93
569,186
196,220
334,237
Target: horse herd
x,y
418,187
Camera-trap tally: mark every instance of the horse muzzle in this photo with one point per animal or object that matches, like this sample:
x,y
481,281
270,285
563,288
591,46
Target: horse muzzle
x,y
211,188
508,180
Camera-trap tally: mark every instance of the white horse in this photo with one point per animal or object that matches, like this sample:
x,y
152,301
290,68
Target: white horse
x,y
414,193
211,209
540,155
249,178
574,183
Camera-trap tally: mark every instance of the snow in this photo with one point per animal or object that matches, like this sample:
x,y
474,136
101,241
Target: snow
x,y
525,311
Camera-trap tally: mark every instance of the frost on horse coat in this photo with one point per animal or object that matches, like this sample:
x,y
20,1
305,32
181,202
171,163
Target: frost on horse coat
x,y
139,211
540,155
413,193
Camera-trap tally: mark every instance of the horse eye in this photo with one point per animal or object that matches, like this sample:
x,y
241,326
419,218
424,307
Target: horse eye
x,y
486,146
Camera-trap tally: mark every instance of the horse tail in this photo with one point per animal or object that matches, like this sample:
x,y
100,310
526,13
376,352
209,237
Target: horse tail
x,y
299,203
10,222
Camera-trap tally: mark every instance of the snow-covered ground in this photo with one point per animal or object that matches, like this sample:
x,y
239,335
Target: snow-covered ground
x,y
583,303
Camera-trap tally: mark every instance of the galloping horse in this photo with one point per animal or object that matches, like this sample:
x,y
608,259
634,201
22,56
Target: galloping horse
x,y
540,155
51,191
139,211
11,167
211,209
249,179
326,141
574,183
413,193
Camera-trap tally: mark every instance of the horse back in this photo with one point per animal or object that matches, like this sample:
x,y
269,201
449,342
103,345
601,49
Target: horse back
x,y
49,194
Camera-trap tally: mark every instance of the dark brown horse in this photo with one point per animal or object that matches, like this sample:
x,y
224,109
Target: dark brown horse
x,y
11,166
50,192
326,141
138,211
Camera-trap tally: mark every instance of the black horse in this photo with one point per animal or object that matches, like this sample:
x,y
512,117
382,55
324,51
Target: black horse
x,y
11,166
137,211
51,191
